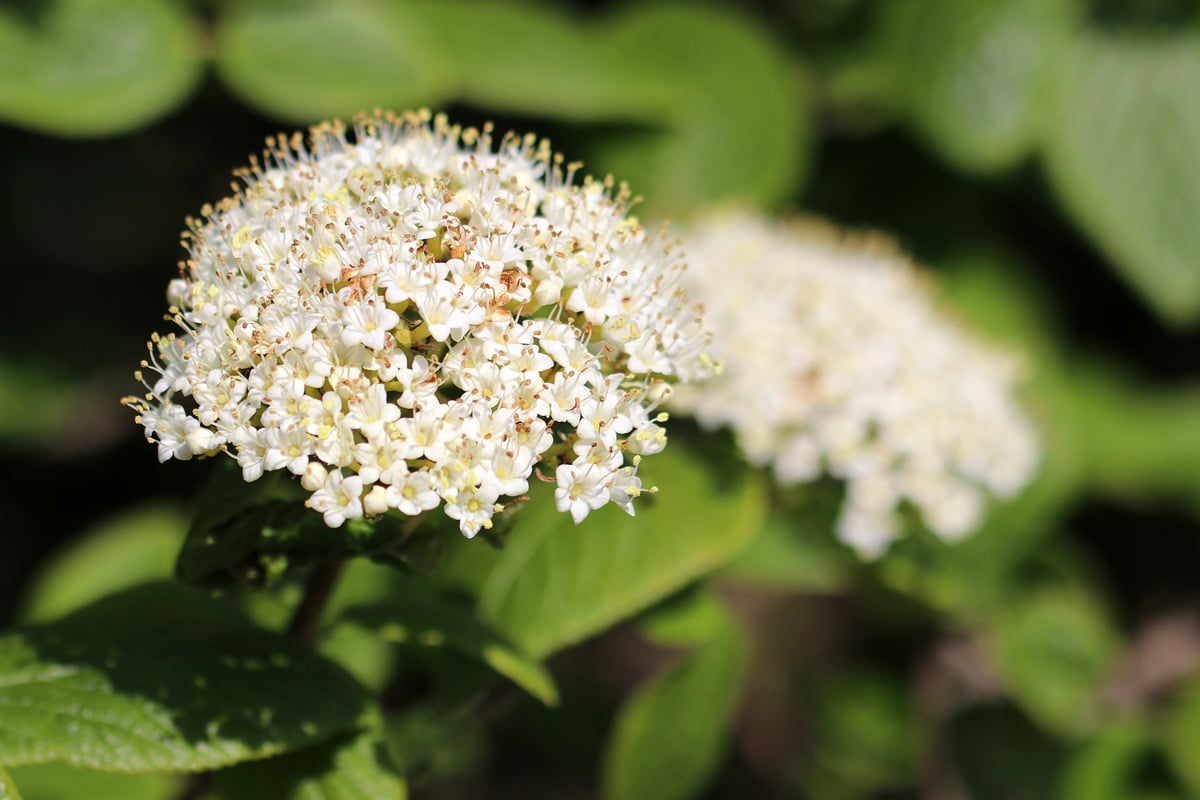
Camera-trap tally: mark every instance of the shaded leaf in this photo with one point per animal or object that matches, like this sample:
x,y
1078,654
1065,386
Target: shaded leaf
x,y
1181,733
137,546
1053,648
1000,755
96,67
737,128
556,583
670,734
795,549
251,533
689,619
1123,154
865,735
353,766
1106,768
162,678
436,622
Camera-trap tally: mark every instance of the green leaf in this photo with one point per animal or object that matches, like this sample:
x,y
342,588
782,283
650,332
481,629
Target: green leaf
x,y
134,547
975,77
688,619
670,734
795,549
737,127
353,766
865,736
61,782
312,60
251,533
1123,154
1107,767
435,622
8,789
557,583
1053,649
1180,732
96,67
162,678
1000,755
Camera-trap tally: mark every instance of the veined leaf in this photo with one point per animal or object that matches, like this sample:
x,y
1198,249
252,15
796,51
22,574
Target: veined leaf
x,y
557,583
162,678
96,67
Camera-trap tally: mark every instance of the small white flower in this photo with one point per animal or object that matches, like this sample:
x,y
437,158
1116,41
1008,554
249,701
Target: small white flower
x,y
412,316
836,360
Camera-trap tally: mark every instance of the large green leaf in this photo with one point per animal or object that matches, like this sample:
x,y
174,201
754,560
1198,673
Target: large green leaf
x,y
435,622
311,60
134,547
556,583
1123,153
162,678
57,781
975,77
670,734
352,766
96,67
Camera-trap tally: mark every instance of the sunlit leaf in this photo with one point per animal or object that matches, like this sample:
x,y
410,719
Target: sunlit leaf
x,y
137,546
1123,153
162,678
96,67
8,788
556,583
58,781
670,734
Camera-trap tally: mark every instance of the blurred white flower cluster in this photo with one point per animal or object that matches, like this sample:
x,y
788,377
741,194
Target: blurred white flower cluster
x,y
411,318
836,360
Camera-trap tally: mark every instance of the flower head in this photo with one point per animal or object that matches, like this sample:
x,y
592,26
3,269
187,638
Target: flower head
x,y
408,317
836,360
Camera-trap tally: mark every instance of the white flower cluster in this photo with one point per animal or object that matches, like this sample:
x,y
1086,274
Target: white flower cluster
x,y
408,318
836,360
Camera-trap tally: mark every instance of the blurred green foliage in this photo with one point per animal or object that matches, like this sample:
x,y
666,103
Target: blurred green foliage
x,y
1040,155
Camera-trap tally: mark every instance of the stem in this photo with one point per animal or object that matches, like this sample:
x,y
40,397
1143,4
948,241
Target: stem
x,y
307,617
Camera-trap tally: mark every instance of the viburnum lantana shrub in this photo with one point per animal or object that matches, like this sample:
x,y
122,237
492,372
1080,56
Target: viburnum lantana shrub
x,y
836,360
408,315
